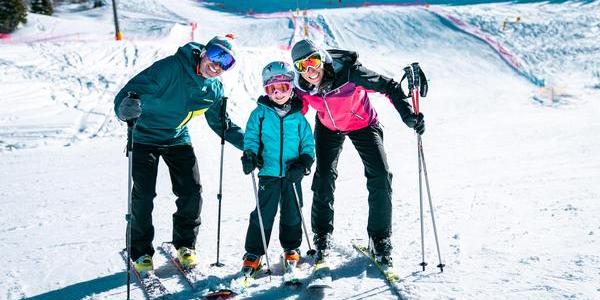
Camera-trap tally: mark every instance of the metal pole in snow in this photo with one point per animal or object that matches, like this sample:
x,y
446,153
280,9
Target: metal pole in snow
x,y
118,35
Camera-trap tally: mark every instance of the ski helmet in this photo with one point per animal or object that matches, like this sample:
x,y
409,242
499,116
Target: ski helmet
x,y
225,42
277,71
305,48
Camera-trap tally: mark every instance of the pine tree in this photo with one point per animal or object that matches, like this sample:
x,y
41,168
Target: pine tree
x,y
12,12
43,7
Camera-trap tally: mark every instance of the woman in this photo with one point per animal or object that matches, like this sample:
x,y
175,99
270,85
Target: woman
x,y
335,84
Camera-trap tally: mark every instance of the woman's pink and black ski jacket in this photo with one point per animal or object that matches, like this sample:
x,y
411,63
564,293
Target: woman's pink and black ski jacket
x,y
342,101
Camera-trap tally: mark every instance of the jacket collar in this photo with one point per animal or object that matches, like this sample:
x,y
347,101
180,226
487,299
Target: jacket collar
x,y
294,101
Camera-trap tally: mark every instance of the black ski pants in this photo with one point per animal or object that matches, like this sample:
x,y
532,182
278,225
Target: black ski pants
x,y
369,144
185,180
273,192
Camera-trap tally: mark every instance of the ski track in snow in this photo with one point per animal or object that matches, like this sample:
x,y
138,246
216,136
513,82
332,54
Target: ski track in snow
x,y
514,183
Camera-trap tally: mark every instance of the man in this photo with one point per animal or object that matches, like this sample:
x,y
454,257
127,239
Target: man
x,y
335,84
161,100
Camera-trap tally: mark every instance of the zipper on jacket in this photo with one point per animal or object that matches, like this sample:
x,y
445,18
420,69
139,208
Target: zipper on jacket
x,y
281,147
327,105
329,112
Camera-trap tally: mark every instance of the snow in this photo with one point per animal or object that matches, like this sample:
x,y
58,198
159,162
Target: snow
x,y
514,182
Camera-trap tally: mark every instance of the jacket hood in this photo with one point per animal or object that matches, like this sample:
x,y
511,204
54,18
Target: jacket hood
x,y
342,59
186,55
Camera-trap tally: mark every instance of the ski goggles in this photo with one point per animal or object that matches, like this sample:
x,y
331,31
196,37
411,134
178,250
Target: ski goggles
x,y
220,56
302,65
282,87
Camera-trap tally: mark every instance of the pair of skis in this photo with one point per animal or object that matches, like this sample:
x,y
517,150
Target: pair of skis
x,y
152,286
291,278
321,276
320,279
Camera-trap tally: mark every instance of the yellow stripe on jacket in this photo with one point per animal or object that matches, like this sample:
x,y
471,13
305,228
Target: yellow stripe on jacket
x,y
191,115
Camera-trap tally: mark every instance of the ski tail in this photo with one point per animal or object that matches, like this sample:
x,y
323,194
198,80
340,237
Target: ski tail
x,y
151,285
391,276
192,276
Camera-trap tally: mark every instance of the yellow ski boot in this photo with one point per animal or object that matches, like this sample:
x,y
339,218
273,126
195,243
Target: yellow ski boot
x,y
143,264
187,257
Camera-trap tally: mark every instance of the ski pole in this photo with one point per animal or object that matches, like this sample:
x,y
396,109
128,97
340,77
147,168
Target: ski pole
x,y
437,244
260,222
129,154
423,263
220,194
130,127
414,77
414,94
310,251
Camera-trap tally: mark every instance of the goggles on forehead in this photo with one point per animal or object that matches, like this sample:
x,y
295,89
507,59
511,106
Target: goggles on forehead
x,y
302,65
220,56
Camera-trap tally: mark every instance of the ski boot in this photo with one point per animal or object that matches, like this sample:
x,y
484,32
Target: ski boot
x,y
290,258
381,251
289,261
251,265
322,244
250,268
187,257
143,265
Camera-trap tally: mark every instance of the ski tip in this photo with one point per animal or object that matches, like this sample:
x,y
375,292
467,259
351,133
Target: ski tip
x,y
220,294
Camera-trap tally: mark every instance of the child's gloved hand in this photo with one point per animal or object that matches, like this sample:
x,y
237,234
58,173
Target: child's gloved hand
x,y
297,168
249,162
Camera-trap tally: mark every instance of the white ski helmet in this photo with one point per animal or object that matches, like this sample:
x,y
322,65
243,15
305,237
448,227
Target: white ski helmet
x,y
277,71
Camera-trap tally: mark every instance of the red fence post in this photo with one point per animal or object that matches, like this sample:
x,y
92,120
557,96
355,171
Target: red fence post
x,y
194,26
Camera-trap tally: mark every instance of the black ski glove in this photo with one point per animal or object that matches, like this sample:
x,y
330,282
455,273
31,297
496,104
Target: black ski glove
x,y
297,168
130,108
250,162
417,122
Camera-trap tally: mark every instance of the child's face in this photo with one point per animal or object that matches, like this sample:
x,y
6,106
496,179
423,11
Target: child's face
x,y
279,92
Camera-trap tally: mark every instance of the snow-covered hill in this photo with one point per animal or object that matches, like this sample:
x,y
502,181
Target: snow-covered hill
x,y
515,183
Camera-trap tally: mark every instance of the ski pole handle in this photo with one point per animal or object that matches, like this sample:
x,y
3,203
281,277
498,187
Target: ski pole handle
x,y
412,76
409,78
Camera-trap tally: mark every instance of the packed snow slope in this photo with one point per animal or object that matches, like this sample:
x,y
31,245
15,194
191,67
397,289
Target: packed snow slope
x,y
514,183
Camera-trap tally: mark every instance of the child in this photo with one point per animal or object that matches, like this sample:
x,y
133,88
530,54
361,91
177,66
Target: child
x,y
279,141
